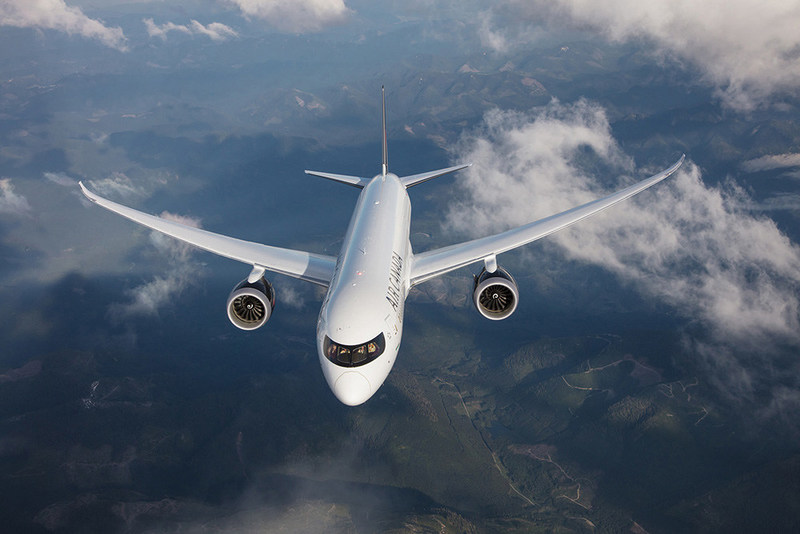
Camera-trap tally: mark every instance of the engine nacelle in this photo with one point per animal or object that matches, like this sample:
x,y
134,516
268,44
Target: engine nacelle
x,y
250,305
495,295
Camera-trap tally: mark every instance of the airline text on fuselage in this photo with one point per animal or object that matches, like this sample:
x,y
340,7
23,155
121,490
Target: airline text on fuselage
x,y
395,277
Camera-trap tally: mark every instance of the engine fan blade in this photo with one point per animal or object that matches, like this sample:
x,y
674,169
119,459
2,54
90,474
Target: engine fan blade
x,y
496,298
248,308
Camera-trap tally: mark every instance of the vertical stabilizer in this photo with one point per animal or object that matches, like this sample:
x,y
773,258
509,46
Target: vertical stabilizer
x,y
385,164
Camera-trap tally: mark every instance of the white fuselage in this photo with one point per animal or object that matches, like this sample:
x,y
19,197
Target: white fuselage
x,y
367,293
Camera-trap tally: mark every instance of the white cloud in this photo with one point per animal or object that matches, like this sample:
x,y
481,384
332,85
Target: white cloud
x,y
216,31
116,185
775,161
299,16
685,243
148,298
748,50
11,202
60,178
491,36
291,294
777,202
507,35
154,30
57,15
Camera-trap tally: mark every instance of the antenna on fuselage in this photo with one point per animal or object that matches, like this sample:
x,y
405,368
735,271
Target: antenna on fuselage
x,y
385,164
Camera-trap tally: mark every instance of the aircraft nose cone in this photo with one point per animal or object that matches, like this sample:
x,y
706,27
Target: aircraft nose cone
x,y
352,389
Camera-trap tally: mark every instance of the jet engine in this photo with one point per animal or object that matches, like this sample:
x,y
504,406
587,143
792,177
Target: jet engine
x,y
495,294
250,304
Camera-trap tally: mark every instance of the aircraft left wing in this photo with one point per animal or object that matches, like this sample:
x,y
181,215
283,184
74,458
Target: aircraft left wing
x,y
432,263
315,268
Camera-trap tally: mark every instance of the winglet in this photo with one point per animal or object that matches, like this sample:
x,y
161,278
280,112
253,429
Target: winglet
x,y
88,194
385,164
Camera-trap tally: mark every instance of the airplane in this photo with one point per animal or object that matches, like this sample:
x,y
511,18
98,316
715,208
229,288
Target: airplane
x,y
360,323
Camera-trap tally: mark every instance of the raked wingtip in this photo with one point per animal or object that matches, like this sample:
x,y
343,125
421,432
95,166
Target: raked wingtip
x,y
88,194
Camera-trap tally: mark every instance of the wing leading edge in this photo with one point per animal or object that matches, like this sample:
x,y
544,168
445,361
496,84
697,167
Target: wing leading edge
x,y
432,263
315,268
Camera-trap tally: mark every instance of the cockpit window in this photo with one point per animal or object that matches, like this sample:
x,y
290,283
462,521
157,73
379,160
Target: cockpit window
x,y
354,355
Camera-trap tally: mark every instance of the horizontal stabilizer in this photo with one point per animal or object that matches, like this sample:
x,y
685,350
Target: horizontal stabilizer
x,y
355,181
415,179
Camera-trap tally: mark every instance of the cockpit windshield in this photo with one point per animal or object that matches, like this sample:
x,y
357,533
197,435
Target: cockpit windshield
x,y
354,355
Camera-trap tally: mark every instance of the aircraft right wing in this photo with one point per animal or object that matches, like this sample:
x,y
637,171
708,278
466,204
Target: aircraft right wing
x,y
307,266
432,263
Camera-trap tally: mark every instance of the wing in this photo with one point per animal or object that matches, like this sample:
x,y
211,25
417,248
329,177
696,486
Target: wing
x,y
314,268
430,264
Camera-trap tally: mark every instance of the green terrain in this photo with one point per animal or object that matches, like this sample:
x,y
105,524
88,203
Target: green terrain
x,y
596,433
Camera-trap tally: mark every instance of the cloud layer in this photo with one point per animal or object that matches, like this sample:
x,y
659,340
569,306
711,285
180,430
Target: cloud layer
x,y
216,31
116,185
11,202
57,15
773,161
298,16
685,243
148,298
748,50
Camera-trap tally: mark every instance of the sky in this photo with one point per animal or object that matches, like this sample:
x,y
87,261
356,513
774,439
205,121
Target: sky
x,y
169,108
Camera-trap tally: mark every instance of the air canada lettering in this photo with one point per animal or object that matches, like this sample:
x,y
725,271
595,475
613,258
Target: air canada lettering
x,y
395,276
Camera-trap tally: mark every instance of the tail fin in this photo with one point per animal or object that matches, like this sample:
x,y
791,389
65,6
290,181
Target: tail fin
x,y
385,164
408,181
